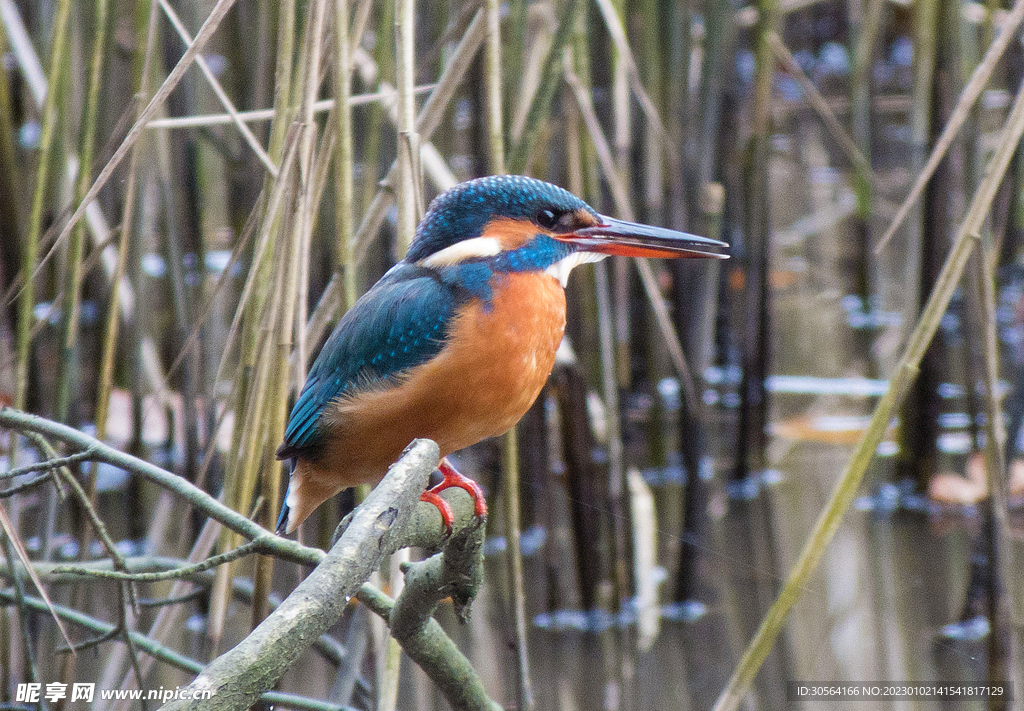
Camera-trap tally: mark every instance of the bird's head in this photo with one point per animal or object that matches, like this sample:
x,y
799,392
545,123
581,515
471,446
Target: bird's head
x,y
515,223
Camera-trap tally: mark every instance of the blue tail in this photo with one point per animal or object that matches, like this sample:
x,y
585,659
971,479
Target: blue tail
x,y
282,520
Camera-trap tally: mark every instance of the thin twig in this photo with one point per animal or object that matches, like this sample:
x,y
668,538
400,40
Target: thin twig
x,y
218,90
175,574
48,464
126,593
819,104
454,572
166,619
238,676
30,484
12,535
205,32
970,94
23,421
20,600
157,650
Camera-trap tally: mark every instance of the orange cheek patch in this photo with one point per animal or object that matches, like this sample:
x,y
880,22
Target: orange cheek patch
x,y
511,234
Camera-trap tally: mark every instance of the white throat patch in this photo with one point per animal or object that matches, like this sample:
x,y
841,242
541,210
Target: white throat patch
x,y
560,269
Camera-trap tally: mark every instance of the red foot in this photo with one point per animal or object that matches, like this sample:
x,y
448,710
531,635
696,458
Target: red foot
x,y
453,478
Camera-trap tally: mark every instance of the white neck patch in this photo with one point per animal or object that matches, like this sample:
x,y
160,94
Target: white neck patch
x,y
560,269
490,247
461,251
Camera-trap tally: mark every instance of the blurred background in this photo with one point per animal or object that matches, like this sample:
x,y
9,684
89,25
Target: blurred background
x,y
672,470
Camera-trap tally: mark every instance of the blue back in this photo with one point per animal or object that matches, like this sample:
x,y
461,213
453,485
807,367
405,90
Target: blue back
x,y
401,322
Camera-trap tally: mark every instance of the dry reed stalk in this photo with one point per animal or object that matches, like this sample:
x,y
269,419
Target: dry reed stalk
x,y
72,313
653,161
530,64
979,78
146,17
866,32
343,178
205,32
294,246
492,58
408,140
821,106
1000,650
409,202
261,313
753,411
540,104
255,115
926,14
624,208
95,219
426,122
218,90
9,217
632,74
510,444
902,377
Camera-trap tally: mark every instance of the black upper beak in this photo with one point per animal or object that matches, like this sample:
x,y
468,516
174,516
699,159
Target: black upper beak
x,y
632,239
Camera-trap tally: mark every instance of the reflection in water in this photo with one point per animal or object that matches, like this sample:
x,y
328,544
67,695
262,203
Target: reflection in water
x,y
890,601
900,594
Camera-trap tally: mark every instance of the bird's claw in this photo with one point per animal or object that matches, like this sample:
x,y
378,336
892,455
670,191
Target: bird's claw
x,y
452,478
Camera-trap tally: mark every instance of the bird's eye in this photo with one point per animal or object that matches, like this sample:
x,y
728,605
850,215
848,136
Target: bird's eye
x,y
547,219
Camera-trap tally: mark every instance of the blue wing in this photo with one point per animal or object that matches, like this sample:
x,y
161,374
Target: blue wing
x,y
399,323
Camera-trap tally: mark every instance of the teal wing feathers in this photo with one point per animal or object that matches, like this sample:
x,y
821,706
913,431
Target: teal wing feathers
x,y
398,324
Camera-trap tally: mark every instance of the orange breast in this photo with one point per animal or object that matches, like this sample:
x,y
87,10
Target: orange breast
x,y
497,359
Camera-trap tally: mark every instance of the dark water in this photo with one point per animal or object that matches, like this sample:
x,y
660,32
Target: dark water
x,y
900,595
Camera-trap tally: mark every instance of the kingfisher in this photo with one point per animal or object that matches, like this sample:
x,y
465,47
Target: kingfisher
x,y
454,342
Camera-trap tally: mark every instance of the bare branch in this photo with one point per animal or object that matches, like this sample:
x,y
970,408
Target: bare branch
x,y
455,573
238,676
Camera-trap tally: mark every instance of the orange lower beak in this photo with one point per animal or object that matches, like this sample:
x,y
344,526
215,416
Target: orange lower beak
x,y
631,239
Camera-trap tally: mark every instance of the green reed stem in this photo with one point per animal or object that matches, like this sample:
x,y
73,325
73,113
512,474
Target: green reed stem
x,y
30,251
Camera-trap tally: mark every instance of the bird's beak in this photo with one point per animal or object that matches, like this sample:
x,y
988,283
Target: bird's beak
x,y
631,239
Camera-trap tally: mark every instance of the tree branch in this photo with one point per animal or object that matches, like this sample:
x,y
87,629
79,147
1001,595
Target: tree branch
x,y
239,676
455,573
391,518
